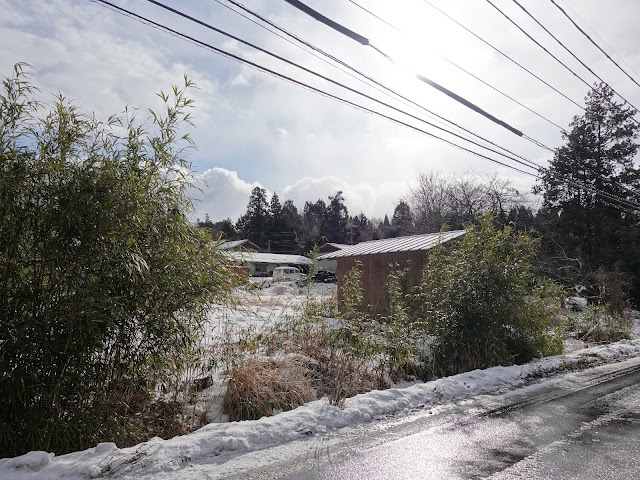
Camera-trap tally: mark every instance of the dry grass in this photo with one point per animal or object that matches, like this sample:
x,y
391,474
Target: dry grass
x,y
344,376
257,388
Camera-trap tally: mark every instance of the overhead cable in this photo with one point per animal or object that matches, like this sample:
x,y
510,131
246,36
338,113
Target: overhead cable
x,y
328,79
330,23
451,63
347,68
513,22
594,43
504,94
269,71
503,54
373,14
364,41
304,85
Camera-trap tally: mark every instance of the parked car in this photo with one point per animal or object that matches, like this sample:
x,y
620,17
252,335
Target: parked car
x,y
325,276
288,274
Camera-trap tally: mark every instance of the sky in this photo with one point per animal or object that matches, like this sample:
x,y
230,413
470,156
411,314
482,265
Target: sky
x,y
253,129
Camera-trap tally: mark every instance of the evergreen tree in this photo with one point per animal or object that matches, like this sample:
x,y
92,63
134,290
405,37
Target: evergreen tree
x,y
402,220
522,217
291,217
313,215
385,227
275,213
336,219
580,225
253,224
275,223
224,229
358,228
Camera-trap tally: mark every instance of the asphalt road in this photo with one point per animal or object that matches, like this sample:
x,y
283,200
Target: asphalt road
x,y
587,427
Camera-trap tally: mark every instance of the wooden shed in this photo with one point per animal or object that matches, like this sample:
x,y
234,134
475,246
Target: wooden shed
x,y
378,256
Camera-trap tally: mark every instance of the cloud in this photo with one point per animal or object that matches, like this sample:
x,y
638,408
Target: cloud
x,y
359,197
239,81
223,195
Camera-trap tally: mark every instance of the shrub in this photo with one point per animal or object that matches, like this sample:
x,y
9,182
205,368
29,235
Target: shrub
x,y
352,293
599,324
479,302
104,281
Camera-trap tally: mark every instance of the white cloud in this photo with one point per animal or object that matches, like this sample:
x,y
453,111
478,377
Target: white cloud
x,y
223,195
359,197
105,61
239,81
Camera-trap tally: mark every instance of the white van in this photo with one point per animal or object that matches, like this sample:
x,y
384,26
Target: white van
x,y
288,273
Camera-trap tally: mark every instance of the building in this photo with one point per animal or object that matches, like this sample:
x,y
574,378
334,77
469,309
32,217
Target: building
x,y
238,245
330,265
263,264
378,256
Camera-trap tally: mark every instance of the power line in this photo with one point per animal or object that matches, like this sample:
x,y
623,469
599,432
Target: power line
x,y
503,54
459,68
568,50
373,14
504,94
352,90
594,43
539,44
304,85
342,100
362,76
364,41
552,55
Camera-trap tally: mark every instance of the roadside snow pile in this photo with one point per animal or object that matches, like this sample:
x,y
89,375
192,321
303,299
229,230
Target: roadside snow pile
x,y
217,443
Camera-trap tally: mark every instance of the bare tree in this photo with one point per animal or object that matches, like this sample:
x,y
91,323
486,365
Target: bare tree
x,y
455,200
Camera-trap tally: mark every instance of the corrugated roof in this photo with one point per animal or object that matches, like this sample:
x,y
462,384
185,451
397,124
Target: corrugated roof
x,y
398,244
269,258
338,245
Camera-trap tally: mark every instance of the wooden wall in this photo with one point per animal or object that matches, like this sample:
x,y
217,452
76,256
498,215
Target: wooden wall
x,y
376,268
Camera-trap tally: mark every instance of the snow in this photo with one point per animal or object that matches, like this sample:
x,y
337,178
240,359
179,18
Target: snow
x,y
218,443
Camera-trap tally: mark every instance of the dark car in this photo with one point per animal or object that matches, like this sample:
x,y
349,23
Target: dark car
x,y
325,276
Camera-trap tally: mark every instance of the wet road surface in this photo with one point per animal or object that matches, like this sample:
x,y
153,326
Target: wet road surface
x,y
587,430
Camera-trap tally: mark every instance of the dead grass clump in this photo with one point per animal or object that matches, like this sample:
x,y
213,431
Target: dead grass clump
x,y
257,388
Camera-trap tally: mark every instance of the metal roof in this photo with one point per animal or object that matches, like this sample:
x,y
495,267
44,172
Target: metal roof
x,y
277,258
233,244
398,244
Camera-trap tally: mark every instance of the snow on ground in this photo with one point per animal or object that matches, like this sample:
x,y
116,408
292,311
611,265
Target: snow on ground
x,y
260,305
222,442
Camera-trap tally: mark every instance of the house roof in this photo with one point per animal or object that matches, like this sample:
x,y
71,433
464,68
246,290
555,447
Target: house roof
x,y
254,257
235,244
398,244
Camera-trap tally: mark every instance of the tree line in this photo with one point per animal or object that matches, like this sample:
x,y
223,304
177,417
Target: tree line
x,y
436,201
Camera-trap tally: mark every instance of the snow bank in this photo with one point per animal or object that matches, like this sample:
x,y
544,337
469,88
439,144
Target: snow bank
x,y
220,442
